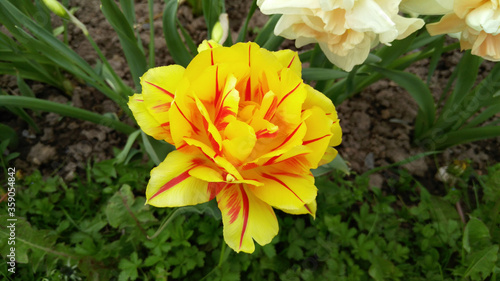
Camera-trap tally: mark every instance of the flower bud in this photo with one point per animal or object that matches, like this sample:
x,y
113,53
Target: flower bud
x,y
57,8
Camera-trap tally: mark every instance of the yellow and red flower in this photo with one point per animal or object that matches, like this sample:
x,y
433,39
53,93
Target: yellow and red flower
x,y
247,131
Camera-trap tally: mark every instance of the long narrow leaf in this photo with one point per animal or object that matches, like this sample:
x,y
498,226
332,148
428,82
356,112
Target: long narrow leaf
x,y
175,45
130,44
211,11
396,50
243,31
128,10
436,56
416,88
267,31
151,60
65,110
66,58
322,74
468,135
467,74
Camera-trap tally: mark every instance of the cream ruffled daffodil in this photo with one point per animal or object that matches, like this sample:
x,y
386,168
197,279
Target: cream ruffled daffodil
x,y
247,132
476,23
346,30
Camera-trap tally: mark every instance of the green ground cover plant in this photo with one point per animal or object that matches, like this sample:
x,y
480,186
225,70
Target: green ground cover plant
x,y
97,227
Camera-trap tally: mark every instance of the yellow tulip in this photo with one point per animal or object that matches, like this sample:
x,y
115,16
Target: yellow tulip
x,y
476,23
345,30
247,131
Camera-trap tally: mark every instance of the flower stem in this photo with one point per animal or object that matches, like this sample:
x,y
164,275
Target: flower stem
x,y
222,254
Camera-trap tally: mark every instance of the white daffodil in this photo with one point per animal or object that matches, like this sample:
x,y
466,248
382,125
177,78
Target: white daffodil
x,y
476,23
346,30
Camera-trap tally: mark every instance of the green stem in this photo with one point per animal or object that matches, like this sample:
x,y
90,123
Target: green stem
x,y
222,254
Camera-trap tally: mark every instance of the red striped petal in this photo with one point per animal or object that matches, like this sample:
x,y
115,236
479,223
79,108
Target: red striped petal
x,y
161,89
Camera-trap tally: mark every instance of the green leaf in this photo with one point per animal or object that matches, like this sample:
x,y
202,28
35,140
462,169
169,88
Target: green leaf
x,y
120,158
156,149
44,43
243,31
124,210
65,110
467,74
322,74
7,133
468,135
337,164
133,51
129,268
211,11
418,90
266,33
382,269
128,11
475,234
31,245
175,45
24,88
482,263
398,47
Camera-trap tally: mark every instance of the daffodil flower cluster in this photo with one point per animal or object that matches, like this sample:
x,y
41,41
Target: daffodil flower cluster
x,y
345,30
247,131
476,23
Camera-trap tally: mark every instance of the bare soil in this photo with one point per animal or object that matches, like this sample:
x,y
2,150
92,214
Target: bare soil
x,y
377,123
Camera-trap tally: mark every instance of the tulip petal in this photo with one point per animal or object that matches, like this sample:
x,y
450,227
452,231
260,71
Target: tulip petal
x,y
151,109
146,120
245,218
289,59
309,208
318,135
284,190
240,140
171,184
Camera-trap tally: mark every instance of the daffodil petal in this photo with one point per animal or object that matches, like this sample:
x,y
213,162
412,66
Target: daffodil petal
x,y
245,218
